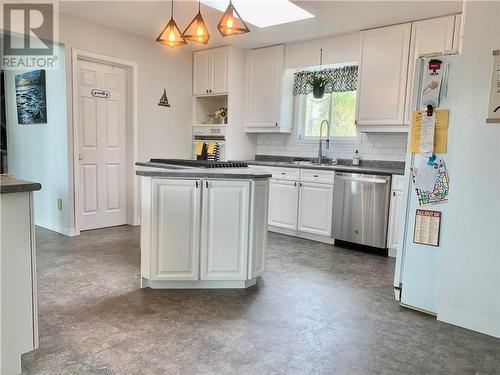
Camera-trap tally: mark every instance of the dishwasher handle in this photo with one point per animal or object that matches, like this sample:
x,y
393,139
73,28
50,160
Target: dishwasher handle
x,y
361,178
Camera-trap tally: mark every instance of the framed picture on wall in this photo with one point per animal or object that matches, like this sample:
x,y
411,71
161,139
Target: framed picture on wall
x,y
31,98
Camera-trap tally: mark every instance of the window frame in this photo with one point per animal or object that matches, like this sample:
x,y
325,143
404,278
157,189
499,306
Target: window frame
x,y
299,119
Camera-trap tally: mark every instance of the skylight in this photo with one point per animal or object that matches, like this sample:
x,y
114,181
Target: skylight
x,y
263,13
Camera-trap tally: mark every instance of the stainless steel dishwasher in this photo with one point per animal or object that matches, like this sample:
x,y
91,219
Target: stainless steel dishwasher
x,y
361,208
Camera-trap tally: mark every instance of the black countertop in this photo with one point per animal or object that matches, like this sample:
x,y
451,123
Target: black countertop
x,y
166,170
367,166
9,184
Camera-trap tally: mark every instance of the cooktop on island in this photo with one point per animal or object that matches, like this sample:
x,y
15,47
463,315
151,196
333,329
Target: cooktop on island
x,y
201,163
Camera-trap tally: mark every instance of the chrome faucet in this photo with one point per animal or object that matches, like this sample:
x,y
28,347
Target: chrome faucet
x,y
320,151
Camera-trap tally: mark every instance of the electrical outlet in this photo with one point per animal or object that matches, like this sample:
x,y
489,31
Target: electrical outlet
x,y
59,204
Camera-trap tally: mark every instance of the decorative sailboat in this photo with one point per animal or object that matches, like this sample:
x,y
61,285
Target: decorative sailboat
x,y
164,100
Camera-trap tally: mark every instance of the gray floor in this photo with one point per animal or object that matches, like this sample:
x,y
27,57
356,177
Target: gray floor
x,y
318,310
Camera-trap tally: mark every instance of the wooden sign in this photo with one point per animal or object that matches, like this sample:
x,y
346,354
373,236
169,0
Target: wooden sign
x,y
97,93
427,227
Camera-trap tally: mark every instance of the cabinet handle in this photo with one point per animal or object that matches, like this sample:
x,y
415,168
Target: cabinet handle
x,y
393,193
206,184
276,124
295,184
300,183
315,175
283,173
196,184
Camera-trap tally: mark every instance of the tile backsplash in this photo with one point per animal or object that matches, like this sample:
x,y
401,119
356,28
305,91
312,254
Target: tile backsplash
x,y
372,146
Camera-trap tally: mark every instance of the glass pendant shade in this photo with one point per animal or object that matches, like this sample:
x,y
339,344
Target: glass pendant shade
x,y
171,36
231,22
197,30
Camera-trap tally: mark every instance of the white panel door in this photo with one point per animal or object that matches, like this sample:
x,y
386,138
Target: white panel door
x,y
382,75
202,72
219,71
176,210
224,236
264,77
394,219
101,126
431,36
283,203
315,208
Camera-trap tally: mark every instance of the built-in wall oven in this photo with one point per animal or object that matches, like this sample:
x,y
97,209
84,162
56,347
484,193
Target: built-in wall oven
x,y
361,208
209,142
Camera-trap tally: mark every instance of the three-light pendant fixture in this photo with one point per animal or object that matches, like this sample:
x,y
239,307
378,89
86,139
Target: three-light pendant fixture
x,y
231,23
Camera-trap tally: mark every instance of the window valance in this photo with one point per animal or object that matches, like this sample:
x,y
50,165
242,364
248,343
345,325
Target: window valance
x,y
339,80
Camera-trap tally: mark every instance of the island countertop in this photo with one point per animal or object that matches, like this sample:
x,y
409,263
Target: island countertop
x,y
167,170
10,184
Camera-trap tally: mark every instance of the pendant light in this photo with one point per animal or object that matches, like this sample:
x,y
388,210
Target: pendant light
x,y
197,31
171,35
228,23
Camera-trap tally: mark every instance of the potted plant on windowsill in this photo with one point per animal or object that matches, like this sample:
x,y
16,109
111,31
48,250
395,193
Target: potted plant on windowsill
x,y
318,82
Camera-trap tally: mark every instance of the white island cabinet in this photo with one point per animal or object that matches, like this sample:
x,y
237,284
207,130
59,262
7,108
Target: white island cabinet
x,y
18,304
203,232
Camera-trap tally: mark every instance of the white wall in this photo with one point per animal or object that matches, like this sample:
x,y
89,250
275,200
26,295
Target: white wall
x,y
162,132
39,152
469,293
339,49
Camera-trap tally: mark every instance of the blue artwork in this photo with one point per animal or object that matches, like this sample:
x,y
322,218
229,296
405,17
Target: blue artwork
x,y
31,98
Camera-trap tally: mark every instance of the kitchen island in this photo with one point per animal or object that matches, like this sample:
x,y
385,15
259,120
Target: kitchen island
x,y
202,227
18,302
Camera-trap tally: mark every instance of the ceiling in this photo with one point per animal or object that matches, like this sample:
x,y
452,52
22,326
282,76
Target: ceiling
x,y
147,18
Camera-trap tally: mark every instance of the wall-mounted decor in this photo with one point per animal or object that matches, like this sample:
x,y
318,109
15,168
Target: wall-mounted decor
x,y
98,93
164,100
494,108
31,98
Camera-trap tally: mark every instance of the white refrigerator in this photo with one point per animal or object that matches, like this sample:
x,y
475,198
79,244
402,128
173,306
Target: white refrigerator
x,y
416,276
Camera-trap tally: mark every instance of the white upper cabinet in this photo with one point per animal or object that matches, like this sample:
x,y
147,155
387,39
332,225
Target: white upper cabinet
x,y
210,71
269,94
428,37
224,239
382,78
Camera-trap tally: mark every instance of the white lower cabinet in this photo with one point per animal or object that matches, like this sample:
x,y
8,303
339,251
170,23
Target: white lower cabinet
x,y
315,208
283,204
395,212
203,233
304,204
224,239
176,230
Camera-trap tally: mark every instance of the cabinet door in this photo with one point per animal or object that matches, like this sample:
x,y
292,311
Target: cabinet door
x,y
382,76
394,219
224,238
283,204
202,72
175,224
264,77
219,71
315,208
431,36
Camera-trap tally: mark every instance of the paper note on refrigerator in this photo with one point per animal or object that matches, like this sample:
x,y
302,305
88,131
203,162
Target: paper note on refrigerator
x,y
427,127
440,136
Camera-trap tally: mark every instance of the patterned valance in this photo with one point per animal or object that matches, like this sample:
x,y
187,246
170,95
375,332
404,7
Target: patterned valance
x,y
339,80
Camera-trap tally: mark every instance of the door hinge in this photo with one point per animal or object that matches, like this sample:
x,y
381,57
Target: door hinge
x,y
197,184
206,184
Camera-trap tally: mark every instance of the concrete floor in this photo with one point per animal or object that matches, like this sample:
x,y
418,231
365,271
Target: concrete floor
x,y
317,310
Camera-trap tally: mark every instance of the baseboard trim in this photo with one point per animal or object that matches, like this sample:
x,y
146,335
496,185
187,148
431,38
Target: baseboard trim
x,y
307,236
70,232
197,284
